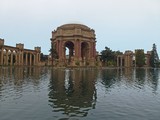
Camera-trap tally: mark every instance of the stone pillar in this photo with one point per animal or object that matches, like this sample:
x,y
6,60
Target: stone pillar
x,y
19,58
34,59
22,58
30,60
94,47
117,61
79,49
6,61
11,62
16,58
1,56
121,61
60,49
57,46
92,50
88,50
26,62
39,58
76,48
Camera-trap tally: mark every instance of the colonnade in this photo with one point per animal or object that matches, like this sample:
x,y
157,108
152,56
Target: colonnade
x,y
18,55
128,59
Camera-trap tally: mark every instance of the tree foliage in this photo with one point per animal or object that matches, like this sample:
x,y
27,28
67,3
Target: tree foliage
x,y
140,58
43,57
108,56
154,59
53,52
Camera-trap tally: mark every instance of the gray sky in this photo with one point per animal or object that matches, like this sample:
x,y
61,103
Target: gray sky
x,y
119,24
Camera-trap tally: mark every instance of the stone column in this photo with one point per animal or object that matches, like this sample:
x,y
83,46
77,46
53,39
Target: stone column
x,y
39,57
11,63
30,59
22,58
1,56
6,62
89,49
79,49
26,59
121,62
16,58
57,46
94,50
60,50
34,59
117,61
76,48
19,58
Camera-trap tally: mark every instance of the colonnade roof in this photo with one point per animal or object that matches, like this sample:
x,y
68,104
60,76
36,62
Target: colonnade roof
x,y
15,48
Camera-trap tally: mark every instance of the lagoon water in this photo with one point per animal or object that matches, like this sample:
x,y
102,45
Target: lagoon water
x,y
42,93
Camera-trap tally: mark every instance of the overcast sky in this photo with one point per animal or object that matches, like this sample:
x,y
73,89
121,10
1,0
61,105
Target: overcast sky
x,y
118,24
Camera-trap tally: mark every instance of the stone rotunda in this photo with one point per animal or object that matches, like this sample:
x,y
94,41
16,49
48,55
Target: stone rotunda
x,y
75,45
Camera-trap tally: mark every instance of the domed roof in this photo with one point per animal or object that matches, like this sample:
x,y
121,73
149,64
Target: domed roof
x,y
72,30
73,26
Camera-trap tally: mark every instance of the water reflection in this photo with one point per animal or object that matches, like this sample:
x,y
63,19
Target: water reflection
x,y
140,78
15,80
109,77
72,92
154,78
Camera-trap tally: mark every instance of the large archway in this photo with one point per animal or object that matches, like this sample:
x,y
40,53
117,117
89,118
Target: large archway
x,y
84,51
78,40
69,51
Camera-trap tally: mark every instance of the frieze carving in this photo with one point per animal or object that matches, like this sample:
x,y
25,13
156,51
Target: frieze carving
x,y
65,32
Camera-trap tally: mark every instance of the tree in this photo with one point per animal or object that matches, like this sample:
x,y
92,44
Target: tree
x,y
154,59
108,56
43,57
53,52
140,58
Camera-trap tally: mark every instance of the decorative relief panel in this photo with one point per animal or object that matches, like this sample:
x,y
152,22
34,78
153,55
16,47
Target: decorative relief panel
x,y
68,32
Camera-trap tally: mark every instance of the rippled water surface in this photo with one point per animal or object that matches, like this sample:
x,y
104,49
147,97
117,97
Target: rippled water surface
x,y
42,93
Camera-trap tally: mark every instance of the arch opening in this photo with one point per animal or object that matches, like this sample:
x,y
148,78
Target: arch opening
x,y
69,51
84,51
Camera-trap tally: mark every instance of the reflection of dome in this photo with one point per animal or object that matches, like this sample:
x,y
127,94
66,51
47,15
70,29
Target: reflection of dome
x,y
73,26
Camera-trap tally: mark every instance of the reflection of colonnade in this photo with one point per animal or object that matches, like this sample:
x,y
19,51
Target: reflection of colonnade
x,y
18,55
21,74
128,59
133,77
